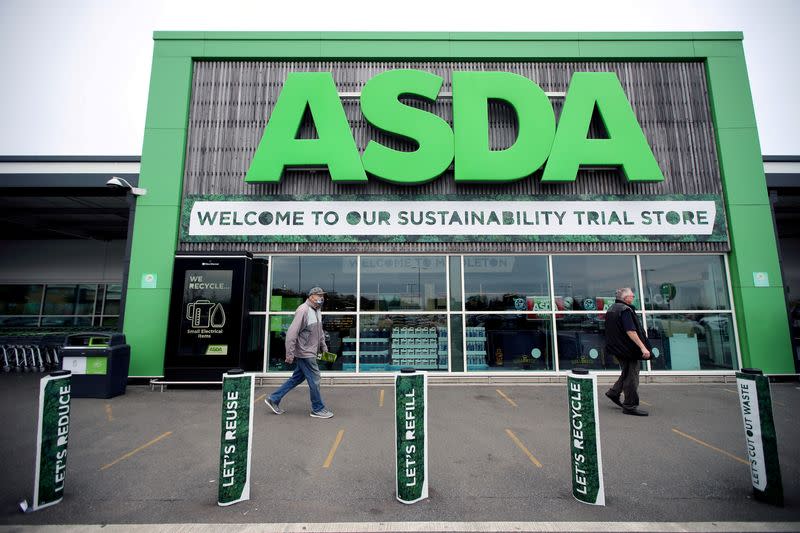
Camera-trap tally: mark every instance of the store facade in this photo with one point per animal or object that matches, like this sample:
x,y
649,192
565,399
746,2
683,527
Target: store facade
x,y
469,201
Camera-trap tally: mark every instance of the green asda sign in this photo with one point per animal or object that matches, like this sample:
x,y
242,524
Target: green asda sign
x,y
562,150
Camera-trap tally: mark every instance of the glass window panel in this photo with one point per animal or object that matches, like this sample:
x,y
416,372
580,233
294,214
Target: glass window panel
x,y
455,282
110,321
589,282
67,321
391,342
390,283
457,347
340,331
294,276
20,299
506,283
113,297
685,282
69,299
19,321
692,342
582,341
508,342
257,298
255,339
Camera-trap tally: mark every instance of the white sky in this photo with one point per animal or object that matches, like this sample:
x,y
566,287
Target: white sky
x,y
74,74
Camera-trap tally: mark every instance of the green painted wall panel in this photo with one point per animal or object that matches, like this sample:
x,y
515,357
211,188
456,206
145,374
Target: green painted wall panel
x,y
262,49
170,88
766,345
636,49
146,316
385,49
162,167
731,100
740,158
179,48
514,49
753,241
155,235
718,48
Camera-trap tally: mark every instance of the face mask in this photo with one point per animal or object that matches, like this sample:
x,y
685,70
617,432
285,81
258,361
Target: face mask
x,y
320,301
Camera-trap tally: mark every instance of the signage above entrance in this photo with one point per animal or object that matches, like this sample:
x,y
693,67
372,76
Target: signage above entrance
x,y
562,150
451,219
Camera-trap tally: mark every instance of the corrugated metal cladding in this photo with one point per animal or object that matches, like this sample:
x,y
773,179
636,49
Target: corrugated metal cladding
x,y
231,101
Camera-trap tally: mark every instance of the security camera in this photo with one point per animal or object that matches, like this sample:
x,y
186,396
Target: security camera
x,y
121,183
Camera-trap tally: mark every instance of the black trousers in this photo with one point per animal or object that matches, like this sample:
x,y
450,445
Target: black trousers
x,y
628,382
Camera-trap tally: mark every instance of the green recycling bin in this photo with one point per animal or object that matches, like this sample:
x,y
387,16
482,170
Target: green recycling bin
x,y
99,364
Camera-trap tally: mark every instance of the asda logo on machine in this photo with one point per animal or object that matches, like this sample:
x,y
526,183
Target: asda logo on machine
x,y
561,150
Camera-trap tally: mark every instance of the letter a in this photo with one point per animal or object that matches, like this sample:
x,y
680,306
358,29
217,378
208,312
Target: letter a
x,y
626,145
334,147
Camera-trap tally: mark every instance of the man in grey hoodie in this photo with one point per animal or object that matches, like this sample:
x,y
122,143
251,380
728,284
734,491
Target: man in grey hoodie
x,y
304,340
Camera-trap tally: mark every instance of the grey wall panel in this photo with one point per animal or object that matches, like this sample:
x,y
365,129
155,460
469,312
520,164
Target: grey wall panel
x,y
232,100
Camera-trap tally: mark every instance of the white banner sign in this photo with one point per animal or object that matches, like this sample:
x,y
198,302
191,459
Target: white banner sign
x,y
365,218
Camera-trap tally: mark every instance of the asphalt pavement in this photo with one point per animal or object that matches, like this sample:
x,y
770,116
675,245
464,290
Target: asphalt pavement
x,y
498,454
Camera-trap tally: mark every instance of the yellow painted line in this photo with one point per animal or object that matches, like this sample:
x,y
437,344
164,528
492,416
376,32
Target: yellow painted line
x,y
707,445
137,450
261,397
380,401
646,403
336,443
773,401
509,400
109,416
523,448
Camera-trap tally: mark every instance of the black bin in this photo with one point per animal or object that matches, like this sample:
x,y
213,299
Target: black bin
x,y
98,362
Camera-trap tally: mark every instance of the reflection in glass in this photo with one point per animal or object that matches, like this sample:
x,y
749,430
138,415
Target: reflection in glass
x,y
589,282
506,283
390,283
69,299
256,299
254,344
508,342
20,299
19,321
294,276
691,342
391,342
582,341
339,329
113,295
685,282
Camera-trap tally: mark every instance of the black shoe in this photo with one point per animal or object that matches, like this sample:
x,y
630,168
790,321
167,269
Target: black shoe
x,y
614,398
635,411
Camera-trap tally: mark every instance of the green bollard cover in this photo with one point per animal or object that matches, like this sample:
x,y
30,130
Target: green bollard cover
x,y
755,400
584,437
236,438
411,436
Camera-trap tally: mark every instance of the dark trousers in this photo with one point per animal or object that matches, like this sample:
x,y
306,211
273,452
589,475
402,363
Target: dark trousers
x,y
628,382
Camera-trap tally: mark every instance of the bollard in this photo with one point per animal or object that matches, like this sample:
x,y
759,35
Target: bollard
x,y
236,437
584,436
755,400
52,437
411,435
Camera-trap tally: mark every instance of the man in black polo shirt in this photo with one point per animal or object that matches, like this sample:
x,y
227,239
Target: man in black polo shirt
x,y
625,340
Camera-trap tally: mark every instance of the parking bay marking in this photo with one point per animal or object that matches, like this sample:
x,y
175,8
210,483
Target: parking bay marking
x,y
336,443
509,400
260,398
522,447
707,445
109,416
773,401
380,400
137,450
